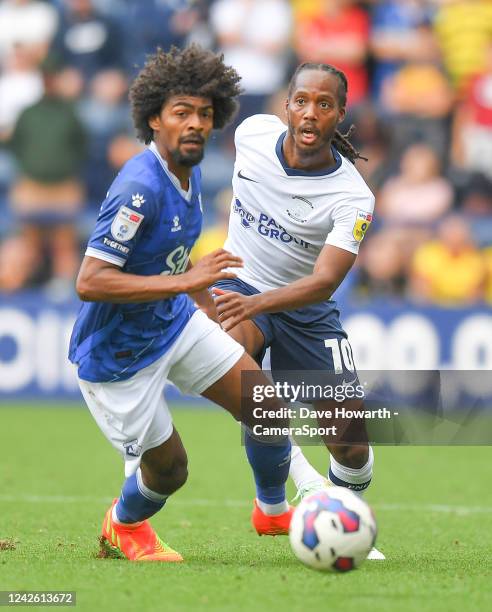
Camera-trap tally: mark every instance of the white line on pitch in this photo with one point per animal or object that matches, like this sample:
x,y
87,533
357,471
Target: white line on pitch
x,y
68,499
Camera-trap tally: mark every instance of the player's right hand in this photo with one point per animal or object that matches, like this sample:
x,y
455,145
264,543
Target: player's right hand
x,y
212,268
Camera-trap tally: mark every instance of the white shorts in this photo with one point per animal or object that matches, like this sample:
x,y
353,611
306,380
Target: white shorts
x,y
133,413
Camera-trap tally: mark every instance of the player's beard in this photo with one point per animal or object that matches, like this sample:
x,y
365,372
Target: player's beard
x,y
189,158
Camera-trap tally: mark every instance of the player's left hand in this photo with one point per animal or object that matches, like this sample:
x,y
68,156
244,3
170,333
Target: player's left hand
x,y
205,302
233,307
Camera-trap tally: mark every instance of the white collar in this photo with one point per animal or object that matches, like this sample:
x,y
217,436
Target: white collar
x,y
172,177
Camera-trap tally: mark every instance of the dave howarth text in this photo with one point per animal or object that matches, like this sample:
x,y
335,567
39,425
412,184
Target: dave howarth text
x,y
309,413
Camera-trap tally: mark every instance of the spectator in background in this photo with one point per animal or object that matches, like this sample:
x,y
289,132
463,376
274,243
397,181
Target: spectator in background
x,y
464,30
121,148
21,85
419,194
337,34
476,198
475,202
401,33
449,271
472,130
49,144
254,37
26,30
105,114
28,23
487,253
87,40
18,264
160,23
418,100
371,138
382,267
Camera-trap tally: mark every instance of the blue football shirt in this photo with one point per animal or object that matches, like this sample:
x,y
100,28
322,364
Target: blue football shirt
x,y
147,225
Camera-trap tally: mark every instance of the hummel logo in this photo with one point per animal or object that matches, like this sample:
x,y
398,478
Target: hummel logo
x,y
176,224
241,175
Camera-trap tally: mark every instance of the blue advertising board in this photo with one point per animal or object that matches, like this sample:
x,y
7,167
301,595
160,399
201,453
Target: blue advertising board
x,y
34,334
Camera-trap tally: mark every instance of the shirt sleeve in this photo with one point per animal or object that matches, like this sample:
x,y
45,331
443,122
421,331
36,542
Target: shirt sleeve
x,y
351,220
125,213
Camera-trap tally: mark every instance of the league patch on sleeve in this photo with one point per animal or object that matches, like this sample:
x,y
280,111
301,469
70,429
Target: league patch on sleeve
x,y
362,223
125,224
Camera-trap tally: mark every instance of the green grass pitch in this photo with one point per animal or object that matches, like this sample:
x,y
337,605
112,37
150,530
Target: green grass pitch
x,y
58,474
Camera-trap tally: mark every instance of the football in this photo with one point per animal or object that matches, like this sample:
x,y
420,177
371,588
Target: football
x,y
333,530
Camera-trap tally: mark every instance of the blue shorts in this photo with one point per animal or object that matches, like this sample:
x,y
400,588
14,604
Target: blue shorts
x,y
308,339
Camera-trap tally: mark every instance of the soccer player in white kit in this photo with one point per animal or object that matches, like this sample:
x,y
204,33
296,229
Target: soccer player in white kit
x,y
299,212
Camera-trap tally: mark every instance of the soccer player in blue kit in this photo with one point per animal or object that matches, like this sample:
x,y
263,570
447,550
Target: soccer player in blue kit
x,y
299,212
138,326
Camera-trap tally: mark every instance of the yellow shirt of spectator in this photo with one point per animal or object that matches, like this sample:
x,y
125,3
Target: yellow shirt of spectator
x,y
464,31
449,278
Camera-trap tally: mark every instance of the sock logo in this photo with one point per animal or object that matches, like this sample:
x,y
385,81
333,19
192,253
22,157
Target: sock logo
x,y
132,448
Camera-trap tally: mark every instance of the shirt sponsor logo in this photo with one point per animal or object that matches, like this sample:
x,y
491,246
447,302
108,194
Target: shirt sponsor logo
x,y
177,261
300,209
247,219
267,226
125,224
112,244
362,223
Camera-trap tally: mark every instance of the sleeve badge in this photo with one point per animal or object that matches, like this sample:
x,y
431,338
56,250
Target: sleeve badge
x,y
362,223
125,224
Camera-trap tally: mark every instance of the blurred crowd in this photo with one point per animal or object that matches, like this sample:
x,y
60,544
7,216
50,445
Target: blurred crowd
x,y
420,96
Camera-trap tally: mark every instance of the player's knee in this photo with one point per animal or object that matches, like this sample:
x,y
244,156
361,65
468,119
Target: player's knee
x,y
180,473
354,456
176,476
168,479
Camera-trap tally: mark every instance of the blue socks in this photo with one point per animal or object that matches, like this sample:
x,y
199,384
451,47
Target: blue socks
x,y
137,502
270,465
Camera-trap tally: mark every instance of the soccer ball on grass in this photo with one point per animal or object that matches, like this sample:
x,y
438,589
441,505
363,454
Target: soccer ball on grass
x,y
332,530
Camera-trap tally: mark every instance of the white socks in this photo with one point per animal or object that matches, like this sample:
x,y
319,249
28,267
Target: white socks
x,y
359,478
305,475
301,471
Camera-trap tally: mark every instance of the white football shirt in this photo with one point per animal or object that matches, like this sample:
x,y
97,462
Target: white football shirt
x,y
282,217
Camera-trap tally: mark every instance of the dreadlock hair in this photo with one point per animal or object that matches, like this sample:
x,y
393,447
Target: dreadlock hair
x,y
192,72
340,141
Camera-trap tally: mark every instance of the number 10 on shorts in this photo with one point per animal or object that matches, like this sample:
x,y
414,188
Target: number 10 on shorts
x,y
340,349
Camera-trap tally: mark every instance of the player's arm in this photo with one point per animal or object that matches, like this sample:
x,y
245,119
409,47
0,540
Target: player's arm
x,y
102,281
204,300
331,267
